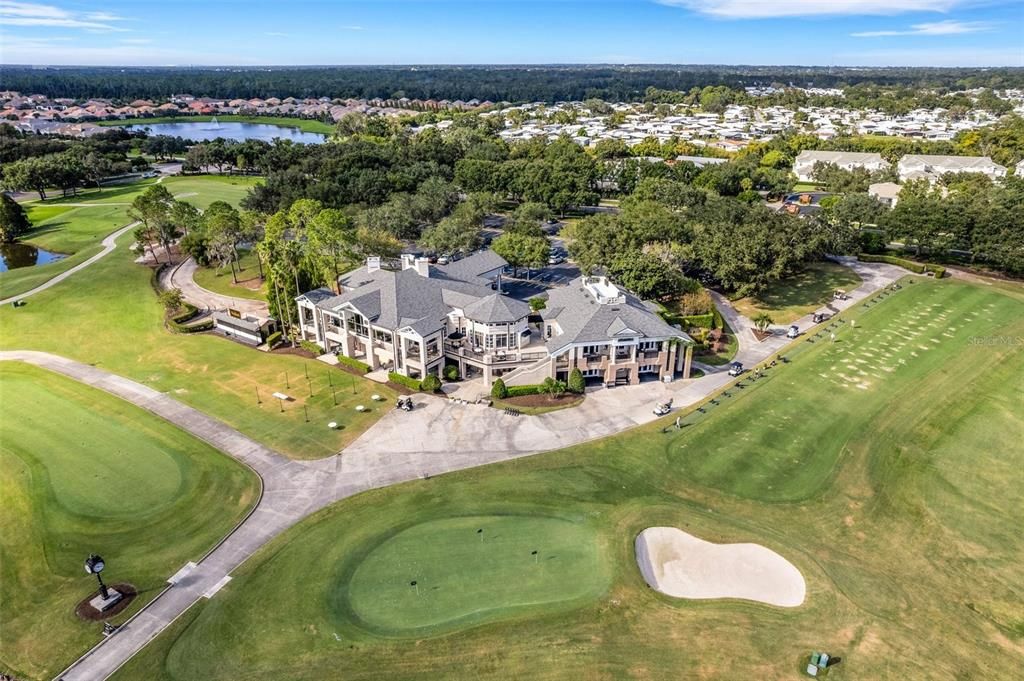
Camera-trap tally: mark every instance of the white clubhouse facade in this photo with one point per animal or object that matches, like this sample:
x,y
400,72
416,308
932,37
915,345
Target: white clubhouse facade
x,y
414,318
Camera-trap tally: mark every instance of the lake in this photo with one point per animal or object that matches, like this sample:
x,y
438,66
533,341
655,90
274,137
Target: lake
x,y
230,130
13,256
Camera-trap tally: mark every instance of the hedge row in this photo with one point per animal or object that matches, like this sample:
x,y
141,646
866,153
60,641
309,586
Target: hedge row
x,y
410,383
273,339
520,390
176,323
916,267
361,367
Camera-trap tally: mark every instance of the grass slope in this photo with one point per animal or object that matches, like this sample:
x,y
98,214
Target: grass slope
x,y
898,494
789,299
83,471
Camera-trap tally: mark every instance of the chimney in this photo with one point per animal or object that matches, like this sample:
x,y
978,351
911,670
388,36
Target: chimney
x,y
407,260
373,263
422,267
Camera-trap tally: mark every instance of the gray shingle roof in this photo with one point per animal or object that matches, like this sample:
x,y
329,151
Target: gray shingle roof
x,y
583,320
497,308
398,299
472,267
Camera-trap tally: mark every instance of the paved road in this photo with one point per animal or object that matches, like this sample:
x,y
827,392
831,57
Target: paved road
x,y
183,277
439,436
109,244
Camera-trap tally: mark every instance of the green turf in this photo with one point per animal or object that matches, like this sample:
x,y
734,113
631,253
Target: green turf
x,y
61,226
304,124
789,299
83,471
117,324
219,280
77,231
900,502
467,576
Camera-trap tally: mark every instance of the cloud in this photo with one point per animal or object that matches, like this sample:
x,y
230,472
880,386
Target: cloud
x,y
950,27
765,9
135,41
352,28
32,14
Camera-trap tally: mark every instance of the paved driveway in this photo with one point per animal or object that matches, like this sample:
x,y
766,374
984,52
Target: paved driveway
x,y
183,277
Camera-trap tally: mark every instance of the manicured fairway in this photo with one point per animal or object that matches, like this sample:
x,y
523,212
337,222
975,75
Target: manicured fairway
x,y
473,569
60,225
83,471
899,495
789,299
63,229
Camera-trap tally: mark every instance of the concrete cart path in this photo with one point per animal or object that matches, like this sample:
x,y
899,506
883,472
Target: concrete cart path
x,y
183,277
109,244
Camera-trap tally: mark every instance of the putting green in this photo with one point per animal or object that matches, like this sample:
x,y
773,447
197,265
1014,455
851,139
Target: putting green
x,y
82,471
472,569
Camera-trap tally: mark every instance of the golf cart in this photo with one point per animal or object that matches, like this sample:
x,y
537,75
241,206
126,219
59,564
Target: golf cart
x,y
663,408
793,332
735,369
820,317
840,294
404,402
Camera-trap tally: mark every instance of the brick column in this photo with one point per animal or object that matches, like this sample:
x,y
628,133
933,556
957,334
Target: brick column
x,y
688,359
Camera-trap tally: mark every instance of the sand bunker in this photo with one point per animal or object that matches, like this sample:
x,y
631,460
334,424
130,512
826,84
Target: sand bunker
x,y
681,565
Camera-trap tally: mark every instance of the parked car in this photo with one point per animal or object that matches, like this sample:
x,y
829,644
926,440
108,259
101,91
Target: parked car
x,y
735,369
443,260
555,260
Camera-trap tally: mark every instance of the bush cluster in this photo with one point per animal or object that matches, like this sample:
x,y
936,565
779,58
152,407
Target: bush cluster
x,y
273,339
361,367
916,267
410,383
430,384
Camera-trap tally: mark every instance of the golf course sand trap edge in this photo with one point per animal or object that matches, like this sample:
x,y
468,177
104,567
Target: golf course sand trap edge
x,y
681,565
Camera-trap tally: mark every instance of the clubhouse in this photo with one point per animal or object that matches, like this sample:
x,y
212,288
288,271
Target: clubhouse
x,y
413,318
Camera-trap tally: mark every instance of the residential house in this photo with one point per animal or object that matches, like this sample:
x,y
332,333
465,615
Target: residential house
x,y
803,166
887,193
931,168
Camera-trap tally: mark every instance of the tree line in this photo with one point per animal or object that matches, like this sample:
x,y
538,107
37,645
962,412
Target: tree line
x,y
496,83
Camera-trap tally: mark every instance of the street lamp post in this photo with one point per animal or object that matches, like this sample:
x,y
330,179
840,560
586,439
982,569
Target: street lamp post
x,y
94,566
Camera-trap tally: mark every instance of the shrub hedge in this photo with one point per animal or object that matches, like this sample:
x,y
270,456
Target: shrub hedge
x,y
176,322
273,339
430,383
410,383
916,267
519,390
361,367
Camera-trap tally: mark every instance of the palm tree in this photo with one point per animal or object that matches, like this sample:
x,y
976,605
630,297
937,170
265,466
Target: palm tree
x,y
762,322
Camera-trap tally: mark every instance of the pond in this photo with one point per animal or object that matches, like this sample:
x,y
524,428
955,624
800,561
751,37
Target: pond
x,y
230,130
13,256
